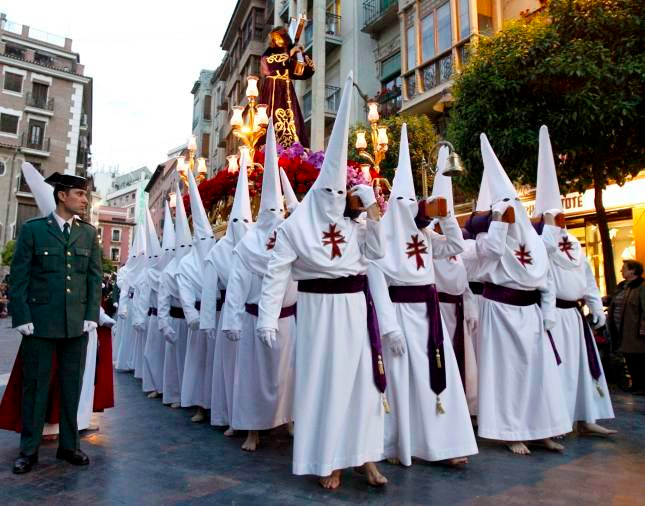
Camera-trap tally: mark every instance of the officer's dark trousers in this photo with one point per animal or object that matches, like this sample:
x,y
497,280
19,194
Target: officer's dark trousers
x,y
37,356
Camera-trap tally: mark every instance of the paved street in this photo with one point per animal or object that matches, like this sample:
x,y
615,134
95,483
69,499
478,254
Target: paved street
x,y
146,453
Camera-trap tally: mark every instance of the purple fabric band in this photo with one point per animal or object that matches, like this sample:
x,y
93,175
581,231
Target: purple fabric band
x,y
476,287
427,294
220,303
198,305
514,297
253,309
152,311
458,338
177,312
355,284
592,358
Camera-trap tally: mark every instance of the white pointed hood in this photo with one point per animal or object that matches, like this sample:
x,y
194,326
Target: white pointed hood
x,y
155,256
522,241
138,260
168,239
317,230
291,201
483,199
183,237
255,248
408,258
203,237
43,192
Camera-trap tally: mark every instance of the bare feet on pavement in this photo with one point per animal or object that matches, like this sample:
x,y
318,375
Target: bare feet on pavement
x,y
518,448
252,441
332,481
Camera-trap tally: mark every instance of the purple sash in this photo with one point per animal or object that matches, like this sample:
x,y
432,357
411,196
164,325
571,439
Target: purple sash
x,y
476,287
427,294
354,284
592,358
177,312
515,297
458,338
285,312
152,311
221,301
198,305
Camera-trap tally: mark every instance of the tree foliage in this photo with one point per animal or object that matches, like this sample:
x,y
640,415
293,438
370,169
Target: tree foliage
x,y
108,266
8,251
579,68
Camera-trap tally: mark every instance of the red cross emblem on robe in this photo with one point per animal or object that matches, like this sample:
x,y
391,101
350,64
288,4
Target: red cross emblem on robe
x,y
333,238
271,241
566,246
524,256
416,248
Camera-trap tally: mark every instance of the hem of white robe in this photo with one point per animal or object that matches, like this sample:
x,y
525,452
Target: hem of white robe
x,y
524,436
593,417
219,422
429,455
267,425
325,469
203,405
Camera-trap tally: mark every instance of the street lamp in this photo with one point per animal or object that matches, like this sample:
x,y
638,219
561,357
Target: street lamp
x,y
184,165
380,141
252,128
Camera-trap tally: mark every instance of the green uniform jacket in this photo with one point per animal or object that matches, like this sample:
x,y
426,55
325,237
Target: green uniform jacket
x,y
55,284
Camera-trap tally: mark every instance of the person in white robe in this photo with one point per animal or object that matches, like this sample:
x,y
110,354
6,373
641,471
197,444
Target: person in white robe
x,y
263,381
429,418
455,302
170,315
520,394
216,273
129,337
583,379
154,353
338,408
121,282
198,365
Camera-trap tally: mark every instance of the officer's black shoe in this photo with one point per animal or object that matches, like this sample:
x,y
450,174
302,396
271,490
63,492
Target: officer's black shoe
x,y
24,463
74,457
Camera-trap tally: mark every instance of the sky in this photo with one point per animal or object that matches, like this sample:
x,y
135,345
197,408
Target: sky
x,y
144,57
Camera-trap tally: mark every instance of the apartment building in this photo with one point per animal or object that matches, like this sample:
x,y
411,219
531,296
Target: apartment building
x,y
128,192
203,114
115,233
162,187
45,116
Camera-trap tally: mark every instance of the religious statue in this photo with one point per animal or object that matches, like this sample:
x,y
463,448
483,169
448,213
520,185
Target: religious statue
x,y
283,62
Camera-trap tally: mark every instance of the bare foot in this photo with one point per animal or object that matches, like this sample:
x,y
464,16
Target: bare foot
x,y
374,477
394,461
593,429
519,448
229,432
175,405
252,441
332,481
199,416
153,395
552,445
459,461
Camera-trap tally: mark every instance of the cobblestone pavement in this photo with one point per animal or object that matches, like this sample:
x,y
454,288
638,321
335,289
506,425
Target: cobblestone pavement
x,y
146,453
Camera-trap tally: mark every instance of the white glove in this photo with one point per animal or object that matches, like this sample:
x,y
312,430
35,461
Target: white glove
x,y
267,335
212,333
89,326
501,206
193,324
471,325
107,321
599,320
365,193
123,316
115,305
232,335
26,329
138,326
168,333
548,324
397,342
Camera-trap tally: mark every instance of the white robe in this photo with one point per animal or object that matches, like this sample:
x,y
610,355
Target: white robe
x,y
577,282
414,428
338,411
263,379
153,355
520,395
127,335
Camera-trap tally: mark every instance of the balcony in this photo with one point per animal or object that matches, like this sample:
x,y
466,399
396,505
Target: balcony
x,y
33,146
40,104
332,101
437,72
390,102
283,9
332,32
379,14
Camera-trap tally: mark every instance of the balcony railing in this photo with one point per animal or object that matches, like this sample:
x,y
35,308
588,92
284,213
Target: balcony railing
x,y
41,144
374,9
332,99
437,72
332,28
46,104
306,105
390,102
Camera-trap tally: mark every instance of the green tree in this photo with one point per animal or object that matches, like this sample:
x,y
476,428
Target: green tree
x,y
421,137
577,67
108,266
8,251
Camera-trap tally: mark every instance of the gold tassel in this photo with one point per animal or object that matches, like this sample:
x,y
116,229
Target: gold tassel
x,y
599,388
381,369
440,410
386,405
438,357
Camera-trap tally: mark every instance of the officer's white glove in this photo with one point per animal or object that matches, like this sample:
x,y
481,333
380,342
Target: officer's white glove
x,y
232,335
365,193
599,320
396,341
267,336
26,329
89,326
548,324
193,324
499,208
106,321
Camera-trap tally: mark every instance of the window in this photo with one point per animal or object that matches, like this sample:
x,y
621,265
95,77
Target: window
x,y
36,133
115,253
43,59
13,82
39,94
206,140
444,34
14,51
100,234
3,168
485,17
9,123
391,66
464,19
116,235
411,42
428,49
207,106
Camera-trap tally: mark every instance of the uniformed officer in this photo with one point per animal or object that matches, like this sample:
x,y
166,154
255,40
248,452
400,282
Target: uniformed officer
x,y
54,300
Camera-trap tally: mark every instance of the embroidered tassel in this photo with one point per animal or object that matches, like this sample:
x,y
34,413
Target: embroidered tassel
x,y
440,410
438,357
386,405
381,369
599,388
